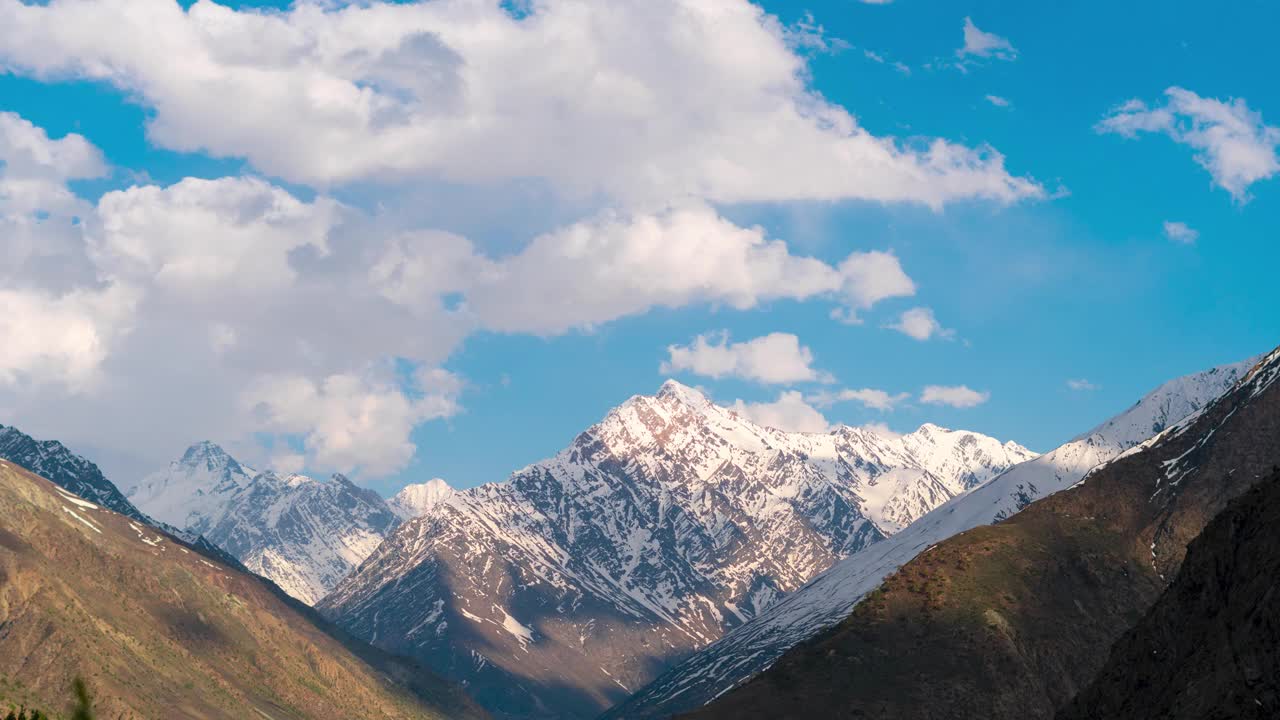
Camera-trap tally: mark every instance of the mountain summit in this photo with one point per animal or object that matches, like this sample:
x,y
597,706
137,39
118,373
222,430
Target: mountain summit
x,y
672,520
302,533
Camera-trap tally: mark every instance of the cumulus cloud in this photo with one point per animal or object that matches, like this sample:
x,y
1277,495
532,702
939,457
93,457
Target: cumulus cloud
x,y
1230,141
956,396
350,422
776,358
789,412
616,264
326,93
1180,232
998,101
984,44
867,397
920,323
1081,385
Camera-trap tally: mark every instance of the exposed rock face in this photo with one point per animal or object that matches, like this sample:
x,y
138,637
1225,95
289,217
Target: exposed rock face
x,y
160,631
1210,646
830,597
303,534
673,520
1012,620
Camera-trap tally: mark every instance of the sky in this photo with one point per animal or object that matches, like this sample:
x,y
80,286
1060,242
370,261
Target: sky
x,y
439,239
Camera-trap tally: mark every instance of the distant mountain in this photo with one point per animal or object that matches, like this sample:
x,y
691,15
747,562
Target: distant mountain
x,y
417,499
830,597
159,631
1210,646
1011,620
303,534
556,593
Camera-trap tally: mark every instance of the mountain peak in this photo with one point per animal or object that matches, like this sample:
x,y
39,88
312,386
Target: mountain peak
x,y
679,392
206,453
418,498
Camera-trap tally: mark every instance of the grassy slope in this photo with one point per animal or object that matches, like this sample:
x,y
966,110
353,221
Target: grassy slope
x,y
161,632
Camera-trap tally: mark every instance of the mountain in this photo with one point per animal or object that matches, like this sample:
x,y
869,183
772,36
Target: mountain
x,y
830,597
52,460
1011,620
160,631
557,592
1210,646
417,499
303,534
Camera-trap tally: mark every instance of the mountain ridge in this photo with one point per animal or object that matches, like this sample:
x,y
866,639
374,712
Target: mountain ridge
x,y
829,597
1019,615
557,591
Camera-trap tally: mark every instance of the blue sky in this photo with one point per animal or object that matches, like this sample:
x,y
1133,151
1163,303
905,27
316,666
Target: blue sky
x,y
1081,283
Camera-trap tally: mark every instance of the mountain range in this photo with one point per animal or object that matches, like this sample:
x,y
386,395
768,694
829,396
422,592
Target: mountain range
x,y
673,520
829,598
303,534
1014,619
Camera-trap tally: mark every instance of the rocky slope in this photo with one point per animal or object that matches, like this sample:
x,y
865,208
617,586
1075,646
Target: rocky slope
x,y
830,597
1011,620
1210,646
303,534
558,592
158,630
53,461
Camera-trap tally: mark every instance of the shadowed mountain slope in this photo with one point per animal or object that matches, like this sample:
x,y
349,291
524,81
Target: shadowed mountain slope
x,y
1210,646
1012,620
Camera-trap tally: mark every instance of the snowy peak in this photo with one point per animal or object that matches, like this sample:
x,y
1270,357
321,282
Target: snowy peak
x,y
419,498
658,529
304,534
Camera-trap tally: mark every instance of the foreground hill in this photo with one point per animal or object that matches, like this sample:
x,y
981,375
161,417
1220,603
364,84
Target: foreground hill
x,y
160,631
556,593
831,596
1012,620
1210,646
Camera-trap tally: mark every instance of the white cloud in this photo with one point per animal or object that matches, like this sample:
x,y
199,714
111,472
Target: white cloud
x,y
957,396
776,358
868,278
348,422
1180,232
1081,385
984,44
184,295
789,412
616,264
920,323
607,101
1231,141
882,429
868,397
997,100
60,339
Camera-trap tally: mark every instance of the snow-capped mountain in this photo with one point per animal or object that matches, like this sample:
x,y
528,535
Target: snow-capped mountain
x,y
416,499
302,533
52,460
830,597
559,591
